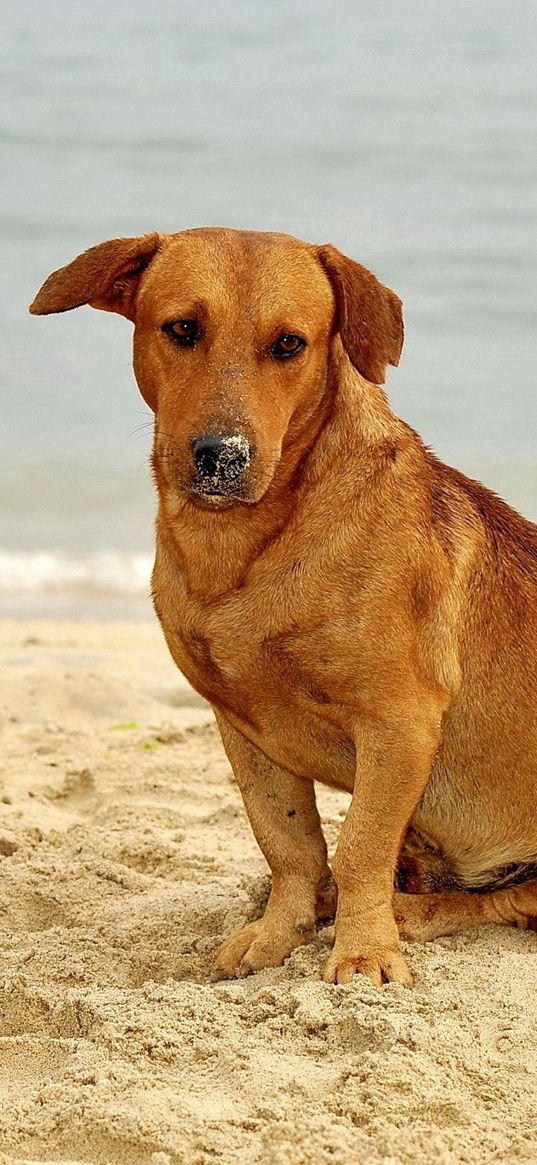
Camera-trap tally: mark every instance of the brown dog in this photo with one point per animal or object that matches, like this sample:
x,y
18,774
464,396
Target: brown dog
x,y
356,612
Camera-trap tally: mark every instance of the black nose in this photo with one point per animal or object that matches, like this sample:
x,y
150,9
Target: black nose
x,y
223,457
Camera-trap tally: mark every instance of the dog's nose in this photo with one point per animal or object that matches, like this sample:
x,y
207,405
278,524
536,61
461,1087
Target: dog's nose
x,y
220,456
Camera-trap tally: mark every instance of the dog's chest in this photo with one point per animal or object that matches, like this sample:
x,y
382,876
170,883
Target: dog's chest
x,y
282,678
234,651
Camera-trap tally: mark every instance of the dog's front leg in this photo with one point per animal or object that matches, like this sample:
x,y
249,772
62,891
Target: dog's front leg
x,y
394,764
285,821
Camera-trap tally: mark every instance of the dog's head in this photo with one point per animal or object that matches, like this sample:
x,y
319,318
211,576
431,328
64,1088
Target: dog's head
x,y
232,339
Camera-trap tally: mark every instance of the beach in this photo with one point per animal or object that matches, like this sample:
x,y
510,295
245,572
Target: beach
x,y
404,136
125,858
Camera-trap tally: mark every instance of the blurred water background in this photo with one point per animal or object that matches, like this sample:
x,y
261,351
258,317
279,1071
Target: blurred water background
x,y
403,133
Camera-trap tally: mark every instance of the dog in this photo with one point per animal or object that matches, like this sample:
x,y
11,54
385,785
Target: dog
x,y
356,612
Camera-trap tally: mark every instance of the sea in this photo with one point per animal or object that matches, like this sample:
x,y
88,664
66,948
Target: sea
x,y
404,133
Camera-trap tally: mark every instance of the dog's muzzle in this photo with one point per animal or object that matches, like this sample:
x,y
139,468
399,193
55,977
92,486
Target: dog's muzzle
x,y
221,461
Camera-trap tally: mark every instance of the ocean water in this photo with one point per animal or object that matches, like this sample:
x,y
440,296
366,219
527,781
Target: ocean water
x,y
403,133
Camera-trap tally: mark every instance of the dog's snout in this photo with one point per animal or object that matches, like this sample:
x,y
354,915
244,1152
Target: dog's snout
x,y
221,457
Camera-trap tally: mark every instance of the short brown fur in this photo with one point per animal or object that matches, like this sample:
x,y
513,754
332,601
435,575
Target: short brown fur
x,y
356,612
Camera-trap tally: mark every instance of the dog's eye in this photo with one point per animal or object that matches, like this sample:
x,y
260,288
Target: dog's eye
x,y
287,345
184,332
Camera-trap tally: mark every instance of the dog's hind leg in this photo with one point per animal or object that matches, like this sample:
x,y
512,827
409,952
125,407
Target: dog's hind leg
x,y
421,869
423,917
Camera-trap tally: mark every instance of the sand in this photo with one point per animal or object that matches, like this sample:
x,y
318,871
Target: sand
x,y
125,857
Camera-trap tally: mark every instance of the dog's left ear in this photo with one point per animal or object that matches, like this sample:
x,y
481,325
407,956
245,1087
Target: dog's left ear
x,y
370,316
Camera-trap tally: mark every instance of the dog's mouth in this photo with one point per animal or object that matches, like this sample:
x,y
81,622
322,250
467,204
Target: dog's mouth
x,y
209,498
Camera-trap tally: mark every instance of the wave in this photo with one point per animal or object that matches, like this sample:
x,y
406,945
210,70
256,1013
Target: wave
x,y
51,572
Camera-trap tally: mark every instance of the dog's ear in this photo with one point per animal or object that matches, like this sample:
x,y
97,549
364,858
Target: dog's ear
x,y
370,316
106,277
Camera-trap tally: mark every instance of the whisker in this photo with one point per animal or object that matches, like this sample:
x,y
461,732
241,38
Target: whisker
x,y
141,429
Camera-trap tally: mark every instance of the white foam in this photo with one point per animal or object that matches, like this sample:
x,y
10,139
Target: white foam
x,y
51,572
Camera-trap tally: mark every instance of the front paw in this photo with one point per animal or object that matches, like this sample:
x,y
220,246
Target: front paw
x,y
256,946
378,962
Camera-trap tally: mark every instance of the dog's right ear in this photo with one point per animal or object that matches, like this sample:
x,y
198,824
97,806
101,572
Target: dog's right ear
x,y
106,277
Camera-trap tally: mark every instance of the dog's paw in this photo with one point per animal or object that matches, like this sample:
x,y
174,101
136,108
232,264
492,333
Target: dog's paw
x,y
381,966
255,947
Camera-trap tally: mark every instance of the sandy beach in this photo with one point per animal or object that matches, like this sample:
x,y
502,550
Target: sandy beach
x,y
125,857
